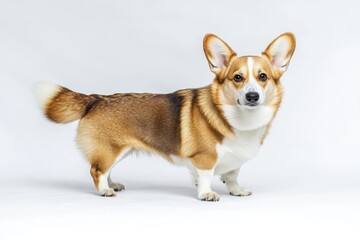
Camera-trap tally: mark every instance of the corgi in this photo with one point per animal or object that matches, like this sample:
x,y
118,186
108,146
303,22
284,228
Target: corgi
x,y
212,130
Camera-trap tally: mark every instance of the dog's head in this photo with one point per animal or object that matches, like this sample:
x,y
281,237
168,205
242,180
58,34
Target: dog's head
x,y
249,81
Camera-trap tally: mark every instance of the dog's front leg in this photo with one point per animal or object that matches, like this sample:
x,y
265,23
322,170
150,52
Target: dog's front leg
x,y
204,179
230,179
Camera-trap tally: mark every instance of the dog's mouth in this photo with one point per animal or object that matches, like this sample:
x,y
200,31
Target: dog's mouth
x,y
248,105
251,105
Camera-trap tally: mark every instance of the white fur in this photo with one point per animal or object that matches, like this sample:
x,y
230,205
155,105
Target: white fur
x,y
45,91
106,185
204,185
244,119
250,63
250,126
230,179
233,152
103,187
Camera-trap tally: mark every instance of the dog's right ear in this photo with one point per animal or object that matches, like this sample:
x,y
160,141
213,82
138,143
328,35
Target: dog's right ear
x,y
217,52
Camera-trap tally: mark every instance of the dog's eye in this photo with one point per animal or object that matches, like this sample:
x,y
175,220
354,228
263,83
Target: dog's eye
x,y
238,78
263,77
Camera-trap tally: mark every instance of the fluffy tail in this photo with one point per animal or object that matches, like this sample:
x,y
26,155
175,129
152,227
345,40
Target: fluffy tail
x,y
62,105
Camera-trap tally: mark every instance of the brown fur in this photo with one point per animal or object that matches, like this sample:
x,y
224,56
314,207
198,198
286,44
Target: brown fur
x,y
168,124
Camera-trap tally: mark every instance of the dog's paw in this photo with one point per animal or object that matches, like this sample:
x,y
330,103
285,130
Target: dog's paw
x,y
210,196
241,192
117,186
109,192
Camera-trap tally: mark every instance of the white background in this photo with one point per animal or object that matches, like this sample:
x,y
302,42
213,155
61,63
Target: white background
x,y
305,179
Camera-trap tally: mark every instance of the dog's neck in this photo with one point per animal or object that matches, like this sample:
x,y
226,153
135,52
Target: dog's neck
x,y
243,119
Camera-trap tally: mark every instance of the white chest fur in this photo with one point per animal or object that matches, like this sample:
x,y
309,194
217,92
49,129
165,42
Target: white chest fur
x,y
250,125
244,119
233,152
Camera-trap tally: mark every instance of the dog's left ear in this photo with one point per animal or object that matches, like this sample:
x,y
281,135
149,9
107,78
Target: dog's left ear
x,y
217,52
279,53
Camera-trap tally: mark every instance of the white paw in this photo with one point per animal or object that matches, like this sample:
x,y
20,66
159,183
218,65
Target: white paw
x,y
210,196
109,192
241,192
117,186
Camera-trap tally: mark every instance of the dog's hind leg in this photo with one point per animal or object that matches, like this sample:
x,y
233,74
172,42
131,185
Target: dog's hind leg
x,y
101,166
115,185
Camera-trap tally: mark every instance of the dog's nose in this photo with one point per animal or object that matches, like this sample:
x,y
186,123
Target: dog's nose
x,y
252,97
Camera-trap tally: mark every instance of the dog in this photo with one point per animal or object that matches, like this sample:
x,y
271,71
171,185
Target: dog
x,y
212,130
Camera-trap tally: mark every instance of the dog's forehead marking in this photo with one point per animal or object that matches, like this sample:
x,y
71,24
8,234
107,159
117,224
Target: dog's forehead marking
x,y
250,66
252,85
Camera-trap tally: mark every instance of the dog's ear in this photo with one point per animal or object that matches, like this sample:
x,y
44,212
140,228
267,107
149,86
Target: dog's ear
x,y
217,52
279,53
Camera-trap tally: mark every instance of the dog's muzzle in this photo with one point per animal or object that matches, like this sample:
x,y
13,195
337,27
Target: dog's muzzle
x,y
252,99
